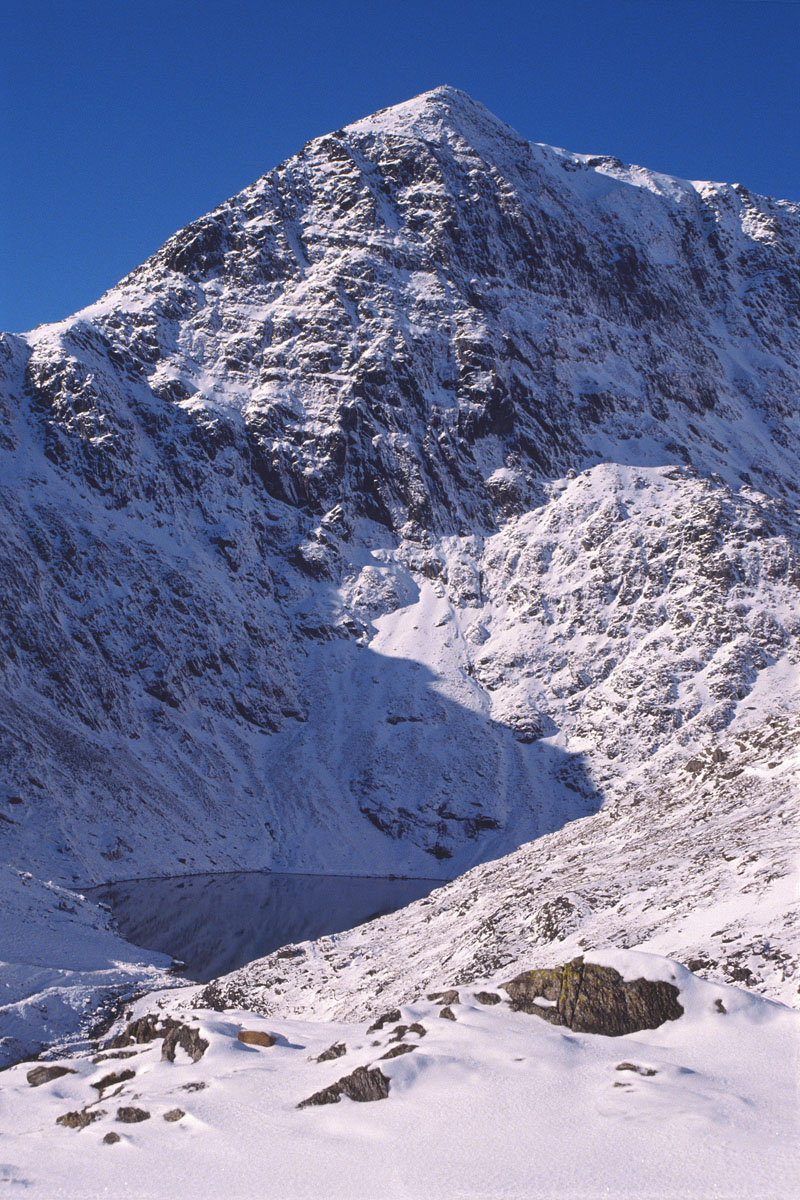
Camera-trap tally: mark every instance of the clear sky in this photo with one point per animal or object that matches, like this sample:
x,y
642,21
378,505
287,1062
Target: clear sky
x,y
125,119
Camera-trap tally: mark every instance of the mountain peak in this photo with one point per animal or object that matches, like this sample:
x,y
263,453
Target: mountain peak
x,y
443,108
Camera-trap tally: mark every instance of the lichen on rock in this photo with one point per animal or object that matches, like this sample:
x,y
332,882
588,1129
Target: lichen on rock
x,y
588,998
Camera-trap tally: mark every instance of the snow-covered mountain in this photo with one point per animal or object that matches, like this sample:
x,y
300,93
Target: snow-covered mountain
x,y
436,490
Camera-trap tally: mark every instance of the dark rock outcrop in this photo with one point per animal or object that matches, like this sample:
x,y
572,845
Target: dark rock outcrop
x,y
637,1069
364,1084
335,1051
140,1032
188,1039
396,1051
80,1118
387,1018
400,1031
98,1058
129,1115
115,1077
152,1027
588,998
448,997
45,1074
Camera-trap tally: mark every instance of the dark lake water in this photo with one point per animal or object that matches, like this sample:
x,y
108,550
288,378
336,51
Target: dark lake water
x,y
213,924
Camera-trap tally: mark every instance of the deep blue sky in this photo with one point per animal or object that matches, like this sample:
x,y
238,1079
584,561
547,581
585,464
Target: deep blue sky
x,y
129,118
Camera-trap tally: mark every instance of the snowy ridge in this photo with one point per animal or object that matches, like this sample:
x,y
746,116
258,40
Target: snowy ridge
x,y
436,493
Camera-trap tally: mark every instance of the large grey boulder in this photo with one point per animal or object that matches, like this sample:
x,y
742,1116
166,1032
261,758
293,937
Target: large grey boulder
x,y
588,998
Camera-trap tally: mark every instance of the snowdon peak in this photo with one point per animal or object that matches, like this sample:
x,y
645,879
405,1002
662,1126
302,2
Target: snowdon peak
x,y
442,109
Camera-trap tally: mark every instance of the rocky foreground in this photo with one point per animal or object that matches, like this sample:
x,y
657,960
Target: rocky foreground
x,y
516,1087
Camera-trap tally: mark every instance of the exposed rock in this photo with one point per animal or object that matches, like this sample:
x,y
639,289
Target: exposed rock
x,y
129,1115
488,998
364,1084
188,1039
400,1031
115,1077
174,1114
628,1066
396,1051
44,1074
335,1051
447,1013
111,1138
146,1029
254,1037
588,998
388,1018
448,997
98,1058
80,1119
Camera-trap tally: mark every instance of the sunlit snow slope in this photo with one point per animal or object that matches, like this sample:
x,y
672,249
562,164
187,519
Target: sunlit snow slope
x,y
489,1105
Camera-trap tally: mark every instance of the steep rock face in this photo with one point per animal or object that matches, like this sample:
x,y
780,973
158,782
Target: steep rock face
x,y
410,504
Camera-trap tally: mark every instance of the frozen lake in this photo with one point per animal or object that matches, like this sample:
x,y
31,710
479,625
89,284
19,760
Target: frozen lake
x,y
213,924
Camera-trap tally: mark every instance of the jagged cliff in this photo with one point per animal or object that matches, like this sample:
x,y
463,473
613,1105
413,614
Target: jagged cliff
x,y
436,490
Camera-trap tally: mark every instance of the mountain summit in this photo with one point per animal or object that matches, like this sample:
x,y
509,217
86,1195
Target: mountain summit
x,y
434,491
438,114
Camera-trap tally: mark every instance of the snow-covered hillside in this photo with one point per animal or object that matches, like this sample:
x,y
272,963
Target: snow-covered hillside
x,y
435,494
467,1099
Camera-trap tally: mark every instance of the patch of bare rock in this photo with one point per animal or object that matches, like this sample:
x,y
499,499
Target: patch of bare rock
x,y
174,1033
44,1074
337,1050
396,1051
111,1080
129,1114
363,1084
387,1018
79,1118
588,998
